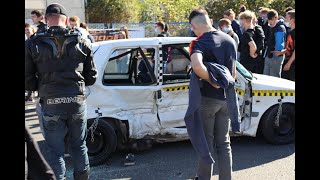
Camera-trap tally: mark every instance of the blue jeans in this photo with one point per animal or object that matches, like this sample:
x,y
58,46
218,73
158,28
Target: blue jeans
x,y
54,127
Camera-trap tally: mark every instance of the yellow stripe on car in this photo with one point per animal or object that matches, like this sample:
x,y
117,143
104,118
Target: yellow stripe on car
x,y
273,93
176,88
241,91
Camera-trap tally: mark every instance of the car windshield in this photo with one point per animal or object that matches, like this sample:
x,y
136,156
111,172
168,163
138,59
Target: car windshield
x,y
243,71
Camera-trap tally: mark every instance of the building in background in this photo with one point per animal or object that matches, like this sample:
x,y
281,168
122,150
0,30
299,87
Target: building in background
x,y
73,7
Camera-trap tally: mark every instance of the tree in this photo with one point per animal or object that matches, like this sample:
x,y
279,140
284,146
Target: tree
x,y
216,8
102,11
281,5
168,10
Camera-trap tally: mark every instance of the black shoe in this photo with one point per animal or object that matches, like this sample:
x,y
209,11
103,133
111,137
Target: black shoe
x,y
130,160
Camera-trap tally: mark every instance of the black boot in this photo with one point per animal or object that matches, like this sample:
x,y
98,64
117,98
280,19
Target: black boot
x,y
84,175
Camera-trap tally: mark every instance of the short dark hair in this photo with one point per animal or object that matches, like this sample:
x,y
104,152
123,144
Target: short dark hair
x,y
197,12
292,14
163,25
288,9
37,12
229,13
224,21
272,14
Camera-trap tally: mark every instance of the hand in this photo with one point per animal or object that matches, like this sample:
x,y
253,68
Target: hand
x,y
286,67
231,33
276,53
255,55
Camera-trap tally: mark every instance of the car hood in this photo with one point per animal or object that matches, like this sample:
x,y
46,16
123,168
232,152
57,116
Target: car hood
x,y
264,82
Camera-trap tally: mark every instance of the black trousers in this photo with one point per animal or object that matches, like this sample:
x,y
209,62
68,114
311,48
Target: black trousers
x,y
290,75
36,167
254,65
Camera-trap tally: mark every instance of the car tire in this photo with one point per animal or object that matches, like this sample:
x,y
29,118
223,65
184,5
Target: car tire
x,y
105,142
285,132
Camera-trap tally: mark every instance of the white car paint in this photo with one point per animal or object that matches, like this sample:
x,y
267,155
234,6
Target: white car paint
x,y
137,105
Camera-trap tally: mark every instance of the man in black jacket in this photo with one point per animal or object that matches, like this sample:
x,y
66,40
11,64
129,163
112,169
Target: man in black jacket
x,y
59,64
37,19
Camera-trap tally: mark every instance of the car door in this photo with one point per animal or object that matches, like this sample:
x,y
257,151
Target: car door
x,y
127,98
244,94
173,101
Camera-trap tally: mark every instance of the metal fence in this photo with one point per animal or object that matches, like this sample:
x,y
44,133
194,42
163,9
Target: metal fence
x,y
175,28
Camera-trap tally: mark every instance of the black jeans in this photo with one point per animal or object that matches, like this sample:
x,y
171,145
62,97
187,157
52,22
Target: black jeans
x,y
290,75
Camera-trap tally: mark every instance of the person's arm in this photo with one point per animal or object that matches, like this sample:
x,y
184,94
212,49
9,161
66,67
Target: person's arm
x,y
31,80
253,49
231,59
292,58
89,69
278,53
200,69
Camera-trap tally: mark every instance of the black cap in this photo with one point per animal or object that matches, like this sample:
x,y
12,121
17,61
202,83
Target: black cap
x,y
56,9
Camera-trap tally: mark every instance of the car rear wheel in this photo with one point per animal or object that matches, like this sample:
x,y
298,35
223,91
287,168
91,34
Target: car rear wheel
x,y
105,142
282,132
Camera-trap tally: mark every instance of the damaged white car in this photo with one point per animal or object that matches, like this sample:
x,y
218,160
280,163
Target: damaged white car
x,y
141,97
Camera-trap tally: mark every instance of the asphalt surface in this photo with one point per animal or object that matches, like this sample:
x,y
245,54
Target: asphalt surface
x,y
253,159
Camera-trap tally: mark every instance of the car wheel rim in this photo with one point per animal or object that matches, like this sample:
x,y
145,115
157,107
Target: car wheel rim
x,y
286,125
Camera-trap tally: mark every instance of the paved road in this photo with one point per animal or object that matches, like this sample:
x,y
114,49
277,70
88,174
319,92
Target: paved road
x,y
253,159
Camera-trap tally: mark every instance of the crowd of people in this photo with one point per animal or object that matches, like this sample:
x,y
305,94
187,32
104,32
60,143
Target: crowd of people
x,y
266,45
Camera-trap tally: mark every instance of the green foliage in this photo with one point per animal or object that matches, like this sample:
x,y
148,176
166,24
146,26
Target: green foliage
x,y
281,5
168,10
104,11
216,8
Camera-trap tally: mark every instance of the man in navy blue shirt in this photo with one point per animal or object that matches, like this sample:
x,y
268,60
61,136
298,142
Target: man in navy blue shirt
x,y
217,47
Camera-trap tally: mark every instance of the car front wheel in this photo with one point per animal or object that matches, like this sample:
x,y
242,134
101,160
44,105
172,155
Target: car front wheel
x,y
103,144
282,131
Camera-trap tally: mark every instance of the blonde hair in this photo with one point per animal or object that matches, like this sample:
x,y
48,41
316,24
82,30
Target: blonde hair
x,y
74,19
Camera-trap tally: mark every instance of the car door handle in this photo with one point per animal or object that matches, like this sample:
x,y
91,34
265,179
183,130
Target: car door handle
x,y
158,94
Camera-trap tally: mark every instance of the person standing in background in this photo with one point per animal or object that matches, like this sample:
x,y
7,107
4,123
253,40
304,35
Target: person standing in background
x,y
247,46
125,30
259,39
276,42
225,26
38,18
161,28
288,68
74,22
231,15
84,26
29,31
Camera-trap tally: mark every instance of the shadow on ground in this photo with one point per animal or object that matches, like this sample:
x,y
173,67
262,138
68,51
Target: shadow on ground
x,y
177,161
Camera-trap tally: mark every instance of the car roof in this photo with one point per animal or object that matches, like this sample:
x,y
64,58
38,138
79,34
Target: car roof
x,y
150,41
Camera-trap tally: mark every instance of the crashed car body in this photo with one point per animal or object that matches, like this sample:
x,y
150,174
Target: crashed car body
x,y
149,100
